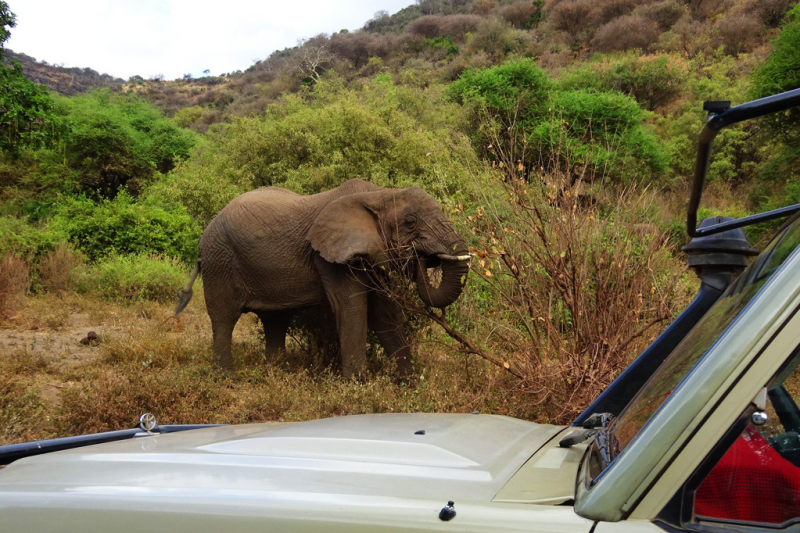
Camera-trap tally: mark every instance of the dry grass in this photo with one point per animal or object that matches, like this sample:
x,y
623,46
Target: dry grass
x,y
564,291
58,269
147,362
15,278
22,407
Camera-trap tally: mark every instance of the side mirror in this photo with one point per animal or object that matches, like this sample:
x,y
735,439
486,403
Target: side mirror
x,y
722,115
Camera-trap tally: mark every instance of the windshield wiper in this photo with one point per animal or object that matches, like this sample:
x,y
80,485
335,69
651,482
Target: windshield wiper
x,y
604,440
595,424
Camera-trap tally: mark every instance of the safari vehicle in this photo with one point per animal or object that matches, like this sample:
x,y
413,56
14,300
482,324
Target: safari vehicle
x,y
700,433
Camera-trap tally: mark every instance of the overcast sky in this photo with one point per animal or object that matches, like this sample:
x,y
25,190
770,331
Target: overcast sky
x,y
176,37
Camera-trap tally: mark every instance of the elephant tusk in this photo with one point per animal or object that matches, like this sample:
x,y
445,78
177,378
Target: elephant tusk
x,y
446,257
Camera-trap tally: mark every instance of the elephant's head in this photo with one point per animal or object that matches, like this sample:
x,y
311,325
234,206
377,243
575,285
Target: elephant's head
x,y
391,225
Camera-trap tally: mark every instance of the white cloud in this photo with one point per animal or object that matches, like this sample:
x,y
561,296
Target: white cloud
x,y
175,37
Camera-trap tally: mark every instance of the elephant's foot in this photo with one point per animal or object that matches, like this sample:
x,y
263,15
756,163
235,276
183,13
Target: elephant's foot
x,y
349,372
405,369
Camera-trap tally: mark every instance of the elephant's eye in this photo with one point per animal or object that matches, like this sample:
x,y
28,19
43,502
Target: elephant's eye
x,y
410,221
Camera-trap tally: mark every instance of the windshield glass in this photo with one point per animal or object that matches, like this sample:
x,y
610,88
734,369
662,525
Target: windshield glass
x,y
707,331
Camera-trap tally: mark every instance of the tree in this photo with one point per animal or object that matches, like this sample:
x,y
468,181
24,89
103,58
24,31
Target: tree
x,y
7,20
119,141
27,115
781,72
314,56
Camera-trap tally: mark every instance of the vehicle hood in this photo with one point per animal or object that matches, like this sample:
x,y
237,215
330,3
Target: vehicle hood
x,y
442,457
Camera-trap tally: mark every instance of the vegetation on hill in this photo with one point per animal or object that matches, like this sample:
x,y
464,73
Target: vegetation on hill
x,y
26,110
558,135
66,81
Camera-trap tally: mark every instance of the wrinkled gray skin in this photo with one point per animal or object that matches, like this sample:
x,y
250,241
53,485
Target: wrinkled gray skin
x,y
273,252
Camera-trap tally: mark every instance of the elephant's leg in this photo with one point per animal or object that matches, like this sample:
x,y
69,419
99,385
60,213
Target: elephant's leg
x,y
223,310
347,297
275,326
387,320
222,325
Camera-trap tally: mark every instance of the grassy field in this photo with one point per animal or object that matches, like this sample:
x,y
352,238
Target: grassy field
x,y
145,361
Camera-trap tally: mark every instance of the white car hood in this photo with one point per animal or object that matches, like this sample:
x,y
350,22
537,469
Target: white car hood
x,y
442,457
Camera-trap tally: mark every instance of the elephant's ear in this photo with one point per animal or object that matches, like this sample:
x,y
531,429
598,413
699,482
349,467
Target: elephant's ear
x,y
347,228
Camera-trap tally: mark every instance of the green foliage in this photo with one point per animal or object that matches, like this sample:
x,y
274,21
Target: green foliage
x,y
122,226
392,136
781,72
782,167
188,116
7,20
521,117
22,239
445,43
654,81
601,131
118,141
134,277
27,116
735,154
515,87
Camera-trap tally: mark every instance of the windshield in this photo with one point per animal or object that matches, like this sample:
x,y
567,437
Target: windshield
x,y
707,331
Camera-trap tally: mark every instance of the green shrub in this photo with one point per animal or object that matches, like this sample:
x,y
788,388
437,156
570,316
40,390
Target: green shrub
x,y
27,111
445,43
188,116
390,135
781,72
513,87
122,226
521,117
27,117
653,80
20,238
134,277
735,155
117,141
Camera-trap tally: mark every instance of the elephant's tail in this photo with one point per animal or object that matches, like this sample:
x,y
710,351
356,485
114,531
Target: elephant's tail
x,y
185,292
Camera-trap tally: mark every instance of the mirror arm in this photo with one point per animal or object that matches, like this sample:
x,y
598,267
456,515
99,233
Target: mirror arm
x,y
715,123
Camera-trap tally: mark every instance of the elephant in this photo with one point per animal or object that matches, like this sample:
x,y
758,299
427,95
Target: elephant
x,y
274,252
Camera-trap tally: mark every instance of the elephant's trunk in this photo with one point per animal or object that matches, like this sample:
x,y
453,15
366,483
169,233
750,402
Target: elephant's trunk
x,y
454,277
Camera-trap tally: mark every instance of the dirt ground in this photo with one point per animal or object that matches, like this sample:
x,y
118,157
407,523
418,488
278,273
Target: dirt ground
x,y
61,349
50,329
63,343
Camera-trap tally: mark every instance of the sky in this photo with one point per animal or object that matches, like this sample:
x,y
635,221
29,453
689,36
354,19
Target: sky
x,y
177,37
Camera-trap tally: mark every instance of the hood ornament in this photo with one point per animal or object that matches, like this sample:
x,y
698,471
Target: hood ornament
x,y
148,423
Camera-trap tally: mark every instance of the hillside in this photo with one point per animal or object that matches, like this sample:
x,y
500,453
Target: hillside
x,y
436,40
65,81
